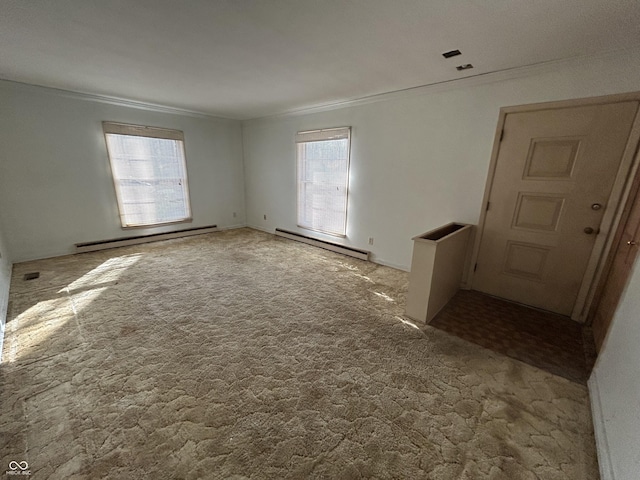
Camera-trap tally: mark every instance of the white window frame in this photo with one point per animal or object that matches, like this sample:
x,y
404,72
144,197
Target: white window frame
x,y
150,132
325,134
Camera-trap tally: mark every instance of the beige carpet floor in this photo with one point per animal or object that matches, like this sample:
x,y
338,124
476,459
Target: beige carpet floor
x,y
243,355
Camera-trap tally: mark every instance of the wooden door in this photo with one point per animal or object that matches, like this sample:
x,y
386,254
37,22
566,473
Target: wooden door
x,y
554,174
624,253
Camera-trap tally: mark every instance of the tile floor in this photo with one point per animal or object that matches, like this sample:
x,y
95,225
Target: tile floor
x,y
543,339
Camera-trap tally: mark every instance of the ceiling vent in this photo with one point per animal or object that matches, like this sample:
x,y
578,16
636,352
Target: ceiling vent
x,y
466,66
451,53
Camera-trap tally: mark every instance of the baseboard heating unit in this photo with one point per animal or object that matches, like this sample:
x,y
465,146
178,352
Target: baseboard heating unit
x,y
334,247
154,237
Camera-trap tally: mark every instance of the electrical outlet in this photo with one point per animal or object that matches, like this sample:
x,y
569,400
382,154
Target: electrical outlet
x,y
265,216
370,240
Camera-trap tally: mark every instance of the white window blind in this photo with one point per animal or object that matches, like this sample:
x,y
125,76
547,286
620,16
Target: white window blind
x,y
323,177
149,173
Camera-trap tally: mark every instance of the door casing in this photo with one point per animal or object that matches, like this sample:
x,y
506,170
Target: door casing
x,y
617,269
618,197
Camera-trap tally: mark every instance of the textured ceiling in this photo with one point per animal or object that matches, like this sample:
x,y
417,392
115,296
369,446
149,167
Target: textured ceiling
x,y
251,58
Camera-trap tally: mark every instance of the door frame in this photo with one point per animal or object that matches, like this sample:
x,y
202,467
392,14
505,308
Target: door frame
x,y
617,199
632,202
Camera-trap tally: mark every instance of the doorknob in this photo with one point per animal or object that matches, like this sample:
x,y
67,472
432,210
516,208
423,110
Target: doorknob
x,y
632,242
588,230
596,206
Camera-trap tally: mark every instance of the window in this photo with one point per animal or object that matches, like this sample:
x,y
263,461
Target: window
x,y
149,173
323,177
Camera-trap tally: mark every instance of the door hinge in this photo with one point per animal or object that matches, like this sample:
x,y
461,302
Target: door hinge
x,y
475,267
501,134
488,205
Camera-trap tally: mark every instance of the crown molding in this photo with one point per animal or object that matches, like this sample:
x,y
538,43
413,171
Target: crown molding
x,y
448,85
442,86
120,102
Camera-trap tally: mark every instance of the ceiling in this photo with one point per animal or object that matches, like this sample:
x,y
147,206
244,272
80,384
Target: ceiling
x,y
251,58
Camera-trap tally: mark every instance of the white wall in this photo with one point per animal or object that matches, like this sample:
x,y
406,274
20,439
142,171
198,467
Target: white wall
x,y
615,390
419,159
55,183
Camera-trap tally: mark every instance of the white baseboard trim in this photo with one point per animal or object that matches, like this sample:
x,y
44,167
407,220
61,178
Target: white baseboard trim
x,y
233,227
602,445
379,261
262,229
155,237
334,247
372,257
